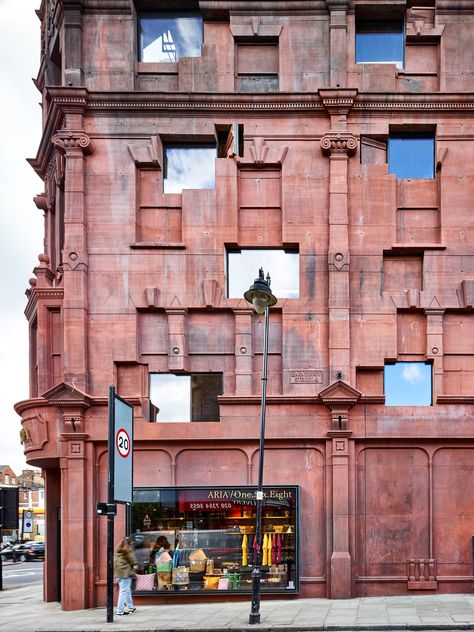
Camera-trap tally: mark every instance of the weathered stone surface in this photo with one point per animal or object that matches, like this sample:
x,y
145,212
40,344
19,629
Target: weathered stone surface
x,y
134,281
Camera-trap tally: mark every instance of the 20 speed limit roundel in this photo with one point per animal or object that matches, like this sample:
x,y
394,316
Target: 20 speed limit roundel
x,y
123,443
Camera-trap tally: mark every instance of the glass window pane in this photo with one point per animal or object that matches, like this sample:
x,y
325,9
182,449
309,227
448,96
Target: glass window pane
x,y
167,37
171,394
183,398
243,267
188,167
411,155
408,384
211,532
379,42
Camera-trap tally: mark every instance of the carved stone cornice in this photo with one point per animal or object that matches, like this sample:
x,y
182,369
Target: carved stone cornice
x,y
72,141
36,294
339,144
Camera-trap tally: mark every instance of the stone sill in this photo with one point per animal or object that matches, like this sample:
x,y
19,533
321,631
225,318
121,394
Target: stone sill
x,y
156,245
156,68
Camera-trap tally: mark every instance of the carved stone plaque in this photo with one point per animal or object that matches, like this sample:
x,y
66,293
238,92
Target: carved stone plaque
x,y
308,376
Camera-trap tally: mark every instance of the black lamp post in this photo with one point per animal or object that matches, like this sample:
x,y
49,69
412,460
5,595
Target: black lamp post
x,y
261,297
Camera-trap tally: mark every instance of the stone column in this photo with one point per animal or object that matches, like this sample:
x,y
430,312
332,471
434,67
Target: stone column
x,y
74,144
73,522
339,397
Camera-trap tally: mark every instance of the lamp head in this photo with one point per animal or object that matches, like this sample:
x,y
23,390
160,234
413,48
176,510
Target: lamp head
x,y
259,294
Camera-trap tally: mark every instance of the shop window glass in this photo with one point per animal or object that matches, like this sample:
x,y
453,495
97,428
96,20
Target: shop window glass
x,y
184,398
189,167
411,155
408,384
209,533
165,37
243,266
380,42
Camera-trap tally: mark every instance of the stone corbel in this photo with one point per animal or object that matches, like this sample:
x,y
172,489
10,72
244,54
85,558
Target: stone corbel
x,y
147,153
152,295
211,292
466,294
73,404
339,397
72,142
337,144
421,24
338,103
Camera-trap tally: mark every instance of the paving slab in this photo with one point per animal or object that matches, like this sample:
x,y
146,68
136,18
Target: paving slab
x,y
22,610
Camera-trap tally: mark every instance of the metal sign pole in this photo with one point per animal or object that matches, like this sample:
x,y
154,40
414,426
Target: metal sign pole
x,y
110,515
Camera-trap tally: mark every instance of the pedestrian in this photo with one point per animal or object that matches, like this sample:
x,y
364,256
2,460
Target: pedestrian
x,y
125,564
14,557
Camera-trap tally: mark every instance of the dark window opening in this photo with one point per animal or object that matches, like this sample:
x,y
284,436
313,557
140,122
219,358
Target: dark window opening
x,y
189,166
408,384
411,155
380,42
166,37
184,398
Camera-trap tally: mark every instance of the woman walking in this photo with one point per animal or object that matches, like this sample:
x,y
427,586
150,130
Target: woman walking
x,y
124,570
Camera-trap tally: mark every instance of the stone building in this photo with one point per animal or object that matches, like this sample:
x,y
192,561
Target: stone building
x,y
185,144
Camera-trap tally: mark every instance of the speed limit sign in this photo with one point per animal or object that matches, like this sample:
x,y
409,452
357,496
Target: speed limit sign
x,y
121,448
123,443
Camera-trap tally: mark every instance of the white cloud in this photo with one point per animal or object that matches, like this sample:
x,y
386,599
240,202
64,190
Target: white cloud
x,y
412,373
21,223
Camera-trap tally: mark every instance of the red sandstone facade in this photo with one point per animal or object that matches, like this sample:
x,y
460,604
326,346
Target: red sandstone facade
x,y
133,281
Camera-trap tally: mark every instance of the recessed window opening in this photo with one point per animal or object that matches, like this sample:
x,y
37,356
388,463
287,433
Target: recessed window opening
x,y
166,37
380,42
282,265
408,384
185,398
411,155
189,166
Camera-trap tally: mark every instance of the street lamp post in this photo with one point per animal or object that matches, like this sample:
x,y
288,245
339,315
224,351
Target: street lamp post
x,y
261,297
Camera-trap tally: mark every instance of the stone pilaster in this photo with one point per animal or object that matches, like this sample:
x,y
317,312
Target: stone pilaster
x,y
177,340
73,144
243,351
434,347
74,581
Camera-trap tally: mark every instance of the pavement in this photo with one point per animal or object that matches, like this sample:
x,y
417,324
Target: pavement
x,y
23,610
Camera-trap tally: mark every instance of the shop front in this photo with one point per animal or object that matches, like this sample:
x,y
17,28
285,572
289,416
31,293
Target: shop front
x,y
202,539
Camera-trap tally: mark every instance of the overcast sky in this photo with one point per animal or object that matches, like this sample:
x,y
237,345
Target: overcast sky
x,y
21,223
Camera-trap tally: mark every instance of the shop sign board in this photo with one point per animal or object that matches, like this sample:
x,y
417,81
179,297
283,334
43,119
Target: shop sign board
x,y
224,499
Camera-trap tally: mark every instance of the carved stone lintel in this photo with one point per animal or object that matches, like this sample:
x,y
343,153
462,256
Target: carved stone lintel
x,y
72,141
339,144
263,155
147,153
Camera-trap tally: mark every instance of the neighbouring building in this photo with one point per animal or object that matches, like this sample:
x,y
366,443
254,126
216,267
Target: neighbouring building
x,y
31,504
7,476
187,143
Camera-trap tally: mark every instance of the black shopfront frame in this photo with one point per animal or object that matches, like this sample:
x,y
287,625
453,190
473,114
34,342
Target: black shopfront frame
x,y
187,501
